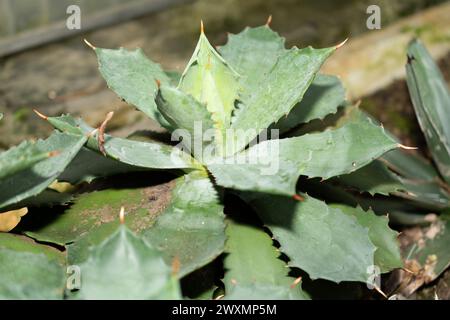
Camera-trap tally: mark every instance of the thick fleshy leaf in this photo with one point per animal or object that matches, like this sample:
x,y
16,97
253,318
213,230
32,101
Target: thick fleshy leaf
x,y
253,53
183,218
213,83
182,110
253,267
189,116
150,155
273,79
325,95
20,158
32,181
89,165
29,270
316,238
276,94
409,165
431,100
93,215
191,229
125,267
387,253
273,166
132,76
376,178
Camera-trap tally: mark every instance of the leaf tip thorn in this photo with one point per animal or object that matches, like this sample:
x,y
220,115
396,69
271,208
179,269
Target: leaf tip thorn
x,y
341,44
296,282
406,147
202,28
122,215
40,115
298,197
269,20
90,45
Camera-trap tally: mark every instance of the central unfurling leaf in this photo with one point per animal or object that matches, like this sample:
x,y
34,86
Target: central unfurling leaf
x,y
210,80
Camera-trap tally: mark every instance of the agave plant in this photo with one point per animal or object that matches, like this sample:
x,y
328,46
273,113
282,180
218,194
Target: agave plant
x,y
221,106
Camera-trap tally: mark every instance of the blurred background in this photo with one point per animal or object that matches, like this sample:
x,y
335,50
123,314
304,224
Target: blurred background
x,y
45,65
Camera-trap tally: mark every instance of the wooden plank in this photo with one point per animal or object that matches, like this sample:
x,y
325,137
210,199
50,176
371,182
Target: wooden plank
x,y
58,30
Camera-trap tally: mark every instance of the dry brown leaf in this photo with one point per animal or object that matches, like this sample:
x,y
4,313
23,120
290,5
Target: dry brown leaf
x,y
10,219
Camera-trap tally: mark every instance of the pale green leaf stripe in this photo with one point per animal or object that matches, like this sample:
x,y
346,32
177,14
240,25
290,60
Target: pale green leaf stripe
x,y
30,182
132,76
125,267
253,264
29,270
277,93
316,237
20,158
274,166
136,153
213,83
431,99
387,253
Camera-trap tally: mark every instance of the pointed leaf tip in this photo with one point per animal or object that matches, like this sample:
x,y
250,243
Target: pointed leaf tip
x,y
90,45
401,146
122,215
298,197
341,44
202,29
269,20
40,115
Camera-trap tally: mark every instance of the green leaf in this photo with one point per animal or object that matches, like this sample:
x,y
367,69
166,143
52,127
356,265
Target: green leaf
x,y
431,99
191,229
316,237
410,165
387,253
273,166
254,268
89,165
32,181
183,218
213,83
136,153
325,95
253,53
183,112
273,79
125,267
376,178
132,76
29,270
20,158
93,217
276,94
